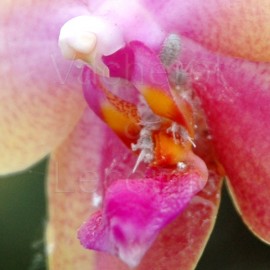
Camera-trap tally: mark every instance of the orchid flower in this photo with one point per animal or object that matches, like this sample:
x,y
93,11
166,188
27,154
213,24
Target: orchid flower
x,y
145,106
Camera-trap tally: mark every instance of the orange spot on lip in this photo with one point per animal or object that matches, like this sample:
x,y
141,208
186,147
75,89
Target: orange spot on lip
x,y
122,125
120,115
164,105
167,151
126,108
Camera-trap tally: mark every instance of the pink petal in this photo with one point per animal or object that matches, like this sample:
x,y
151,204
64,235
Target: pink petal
x,y
239,28
40,92
73,177
235,95
134,19
180,244
135,211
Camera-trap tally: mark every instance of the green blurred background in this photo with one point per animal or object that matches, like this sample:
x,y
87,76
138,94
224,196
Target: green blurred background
x,y
23,218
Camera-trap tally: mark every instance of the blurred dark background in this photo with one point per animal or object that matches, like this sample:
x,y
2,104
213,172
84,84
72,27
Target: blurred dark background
x,y
23,218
